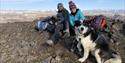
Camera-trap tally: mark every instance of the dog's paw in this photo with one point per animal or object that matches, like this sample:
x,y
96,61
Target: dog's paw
x,y
81,60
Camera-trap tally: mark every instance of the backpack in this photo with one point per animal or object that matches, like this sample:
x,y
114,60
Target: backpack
x,y
99,23
41,25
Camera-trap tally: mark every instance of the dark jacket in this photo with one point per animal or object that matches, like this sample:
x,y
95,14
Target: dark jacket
x,y
65,18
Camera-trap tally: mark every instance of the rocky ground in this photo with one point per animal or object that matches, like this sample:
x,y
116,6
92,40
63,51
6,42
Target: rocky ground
x,y
21,43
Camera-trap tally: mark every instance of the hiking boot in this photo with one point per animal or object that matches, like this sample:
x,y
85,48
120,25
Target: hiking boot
x,y
50,42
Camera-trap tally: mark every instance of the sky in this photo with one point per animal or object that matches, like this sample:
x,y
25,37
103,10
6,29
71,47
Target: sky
x,y
52,4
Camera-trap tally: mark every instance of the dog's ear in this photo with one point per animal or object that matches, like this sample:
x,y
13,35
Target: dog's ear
x,y
85,23
77,23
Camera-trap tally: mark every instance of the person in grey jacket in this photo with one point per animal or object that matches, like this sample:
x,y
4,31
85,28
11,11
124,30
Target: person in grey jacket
x,y
62,25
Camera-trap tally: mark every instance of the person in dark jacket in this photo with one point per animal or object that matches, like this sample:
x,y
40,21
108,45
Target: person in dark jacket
x,y
62,25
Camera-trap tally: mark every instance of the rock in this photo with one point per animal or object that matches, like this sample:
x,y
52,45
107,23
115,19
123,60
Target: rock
x,y
50,42
54,61
67,60
47,60
58,58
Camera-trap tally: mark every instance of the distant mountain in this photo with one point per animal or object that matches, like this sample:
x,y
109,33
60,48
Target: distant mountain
x,y
31,15
105,12
114,14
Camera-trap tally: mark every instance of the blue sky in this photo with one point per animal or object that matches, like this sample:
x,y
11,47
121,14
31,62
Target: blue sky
x,y
52,4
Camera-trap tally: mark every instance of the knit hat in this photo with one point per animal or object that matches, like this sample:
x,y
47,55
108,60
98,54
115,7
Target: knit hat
x,y
71,4
60,5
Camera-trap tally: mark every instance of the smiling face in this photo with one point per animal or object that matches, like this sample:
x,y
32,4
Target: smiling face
x,y
73,9
60,7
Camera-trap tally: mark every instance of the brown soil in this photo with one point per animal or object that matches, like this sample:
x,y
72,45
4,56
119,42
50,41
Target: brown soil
x,y
20,43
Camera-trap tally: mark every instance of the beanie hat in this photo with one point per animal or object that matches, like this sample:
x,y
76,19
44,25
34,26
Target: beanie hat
x,y
60,5
71,3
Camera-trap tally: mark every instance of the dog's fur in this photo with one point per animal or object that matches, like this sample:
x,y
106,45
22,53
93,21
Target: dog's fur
x,y
115,59
92,42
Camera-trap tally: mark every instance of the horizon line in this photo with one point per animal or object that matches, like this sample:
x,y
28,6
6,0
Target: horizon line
x,y
55,9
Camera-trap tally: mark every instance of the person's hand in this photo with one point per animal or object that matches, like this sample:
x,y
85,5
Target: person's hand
x,y
81,21
51,22
76,27
66,33
55,23
67,30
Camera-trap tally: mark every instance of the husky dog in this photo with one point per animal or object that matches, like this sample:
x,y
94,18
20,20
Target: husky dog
x,y
92,42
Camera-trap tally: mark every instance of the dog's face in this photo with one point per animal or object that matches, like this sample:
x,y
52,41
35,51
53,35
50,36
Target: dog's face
x,y
80,28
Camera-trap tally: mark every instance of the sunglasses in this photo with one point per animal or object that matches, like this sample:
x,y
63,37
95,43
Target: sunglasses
x,y
60,6
72,7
